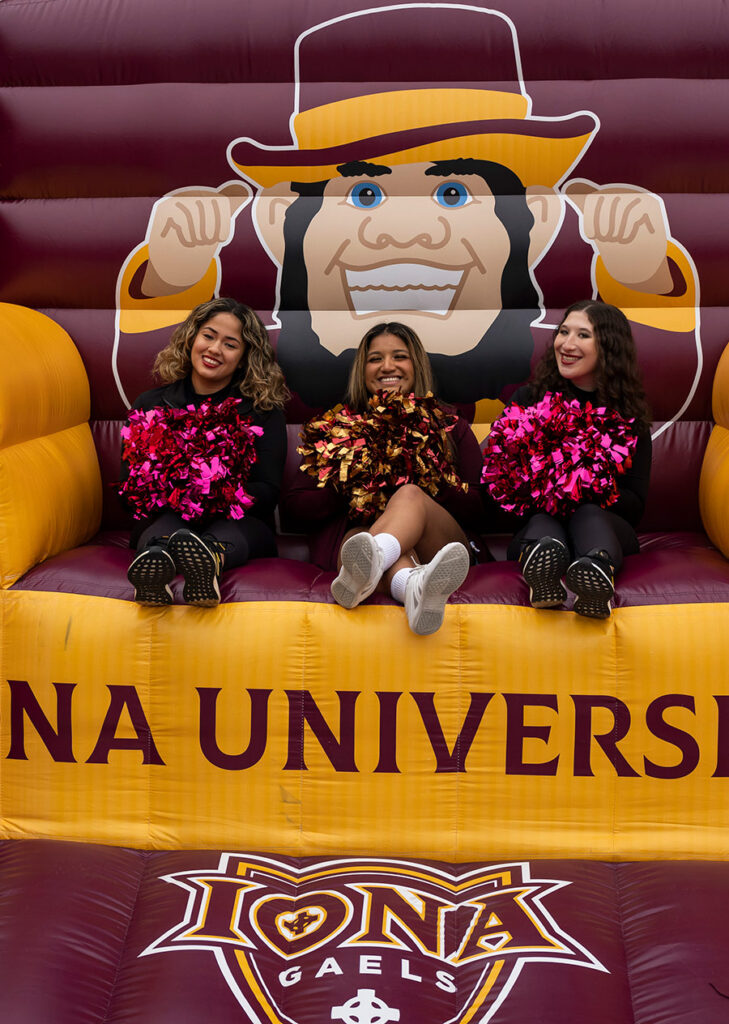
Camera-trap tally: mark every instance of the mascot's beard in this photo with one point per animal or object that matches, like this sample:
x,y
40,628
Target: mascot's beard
x,y
502,356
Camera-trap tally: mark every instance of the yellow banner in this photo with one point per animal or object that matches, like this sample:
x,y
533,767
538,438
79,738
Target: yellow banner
x,y
303,728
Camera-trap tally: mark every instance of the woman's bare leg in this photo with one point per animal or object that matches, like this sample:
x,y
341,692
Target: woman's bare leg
x,y
418,522
420,525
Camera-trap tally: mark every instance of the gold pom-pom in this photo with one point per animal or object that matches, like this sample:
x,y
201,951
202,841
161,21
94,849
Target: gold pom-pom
x,y
366,456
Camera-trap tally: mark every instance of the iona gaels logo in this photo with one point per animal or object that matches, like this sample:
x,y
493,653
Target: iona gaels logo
x,y
369,941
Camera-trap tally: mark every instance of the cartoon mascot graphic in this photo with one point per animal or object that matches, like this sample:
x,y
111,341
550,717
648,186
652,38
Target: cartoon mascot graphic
x,y
428,203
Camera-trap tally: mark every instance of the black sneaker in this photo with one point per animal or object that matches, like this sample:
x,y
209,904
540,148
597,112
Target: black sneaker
x,y
200,562
591,581
150,574
543,565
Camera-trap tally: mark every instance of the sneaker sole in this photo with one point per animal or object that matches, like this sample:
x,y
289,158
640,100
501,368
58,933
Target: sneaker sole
x,y
150,574
196,563
543,571
359,574
592,589
445,573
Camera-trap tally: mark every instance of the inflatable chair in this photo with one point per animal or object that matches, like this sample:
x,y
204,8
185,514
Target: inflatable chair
x,y
278,810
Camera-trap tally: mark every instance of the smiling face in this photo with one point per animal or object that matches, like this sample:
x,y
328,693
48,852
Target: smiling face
x,y
216,353
576,350
389,365
430,248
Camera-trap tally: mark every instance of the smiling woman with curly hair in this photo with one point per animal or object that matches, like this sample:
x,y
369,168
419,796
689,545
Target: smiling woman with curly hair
x,y
220,352
257,377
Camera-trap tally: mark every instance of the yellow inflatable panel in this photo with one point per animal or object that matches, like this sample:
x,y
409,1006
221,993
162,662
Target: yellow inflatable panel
x,y
43,394
720,393
714,489
714,482
50,498
300,728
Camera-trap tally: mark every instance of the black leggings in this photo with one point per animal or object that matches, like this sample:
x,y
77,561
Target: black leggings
x,y
244,538
590,528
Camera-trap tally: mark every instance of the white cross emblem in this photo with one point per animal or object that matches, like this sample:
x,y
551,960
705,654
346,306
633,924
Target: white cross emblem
x,y
365,1008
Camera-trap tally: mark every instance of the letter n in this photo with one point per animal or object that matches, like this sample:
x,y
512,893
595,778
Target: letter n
x,y
23,702
303,710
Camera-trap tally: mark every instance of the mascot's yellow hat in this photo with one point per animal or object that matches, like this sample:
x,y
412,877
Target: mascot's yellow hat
x,y
338,121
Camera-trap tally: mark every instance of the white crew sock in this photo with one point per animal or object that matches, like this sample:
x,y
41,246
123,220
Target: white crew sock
x,y
389,549
398,583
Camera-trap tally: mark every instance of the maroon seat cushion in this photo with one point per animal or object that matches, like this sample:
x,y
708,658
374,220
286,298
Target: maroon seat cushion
x,y
672,568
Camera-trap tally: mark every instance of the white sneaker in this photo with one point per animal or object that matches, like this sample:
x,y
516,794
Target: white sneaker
x,y
361,570
429,587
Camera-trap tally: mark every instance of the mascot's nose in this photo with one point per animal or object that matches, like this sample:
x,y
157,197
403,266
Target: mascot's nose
x,y
404,231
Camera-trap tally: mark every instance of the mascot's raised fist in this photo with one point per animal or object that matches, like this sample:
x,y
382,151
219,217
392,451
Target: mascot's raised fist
x,y
187,230
627,228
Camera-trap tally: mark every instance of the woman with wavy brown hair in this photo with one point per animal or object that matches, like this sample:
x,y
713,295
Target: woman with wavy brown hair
x,y
592,358
221,351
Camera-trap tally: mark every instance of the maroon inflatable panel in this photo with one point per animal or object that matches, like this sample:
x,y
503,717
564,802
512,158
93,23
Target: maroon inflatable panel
x,y
109,107
106,108
681,568
92,934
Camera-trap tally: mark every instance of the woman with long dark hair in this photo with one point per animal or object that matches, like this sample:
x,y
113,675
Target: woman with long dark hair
x,y
592,358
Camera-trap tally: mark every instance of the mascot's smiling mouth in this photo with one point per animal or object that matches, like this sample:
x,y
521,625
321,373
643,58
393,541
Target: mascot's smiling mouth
x,y
400,286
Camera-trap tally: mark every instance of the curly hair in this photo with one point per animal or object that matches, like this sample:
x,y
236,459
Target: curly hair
x,y
618,381
259,376
357,395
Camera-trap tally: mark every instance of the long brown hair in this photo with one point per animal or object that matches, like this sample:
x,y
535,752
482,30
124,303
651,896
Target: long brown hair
x,y
618,381
259,377
357,394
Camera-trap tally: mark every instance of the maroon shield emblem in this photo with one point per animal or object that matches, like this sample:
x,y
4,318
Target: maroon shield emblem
x,y
369,941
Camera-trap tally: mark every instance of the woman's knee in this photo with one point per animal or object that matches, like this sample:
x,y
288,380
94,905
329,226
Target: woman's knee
x,y
409,494
588,513
408,500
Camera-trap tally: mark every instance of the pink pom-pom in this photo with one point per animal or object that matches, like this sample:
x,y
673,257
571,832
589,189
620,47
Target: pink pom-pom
x,y
556,454
193,461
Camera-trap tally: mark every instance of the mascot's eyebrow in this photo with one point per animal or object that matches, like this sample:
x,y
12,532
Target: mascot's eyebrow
x,y
459,165
362,169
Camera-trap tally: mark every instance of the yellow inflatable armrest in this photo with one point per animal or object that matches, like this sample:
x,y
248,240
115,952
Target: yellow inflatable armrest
x,y
43,382
50,482
714,483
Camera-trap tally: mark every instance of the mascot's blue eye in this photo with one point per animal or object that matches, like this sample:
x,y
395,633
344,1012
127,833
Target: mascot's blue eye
x,y
452,193
366,194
